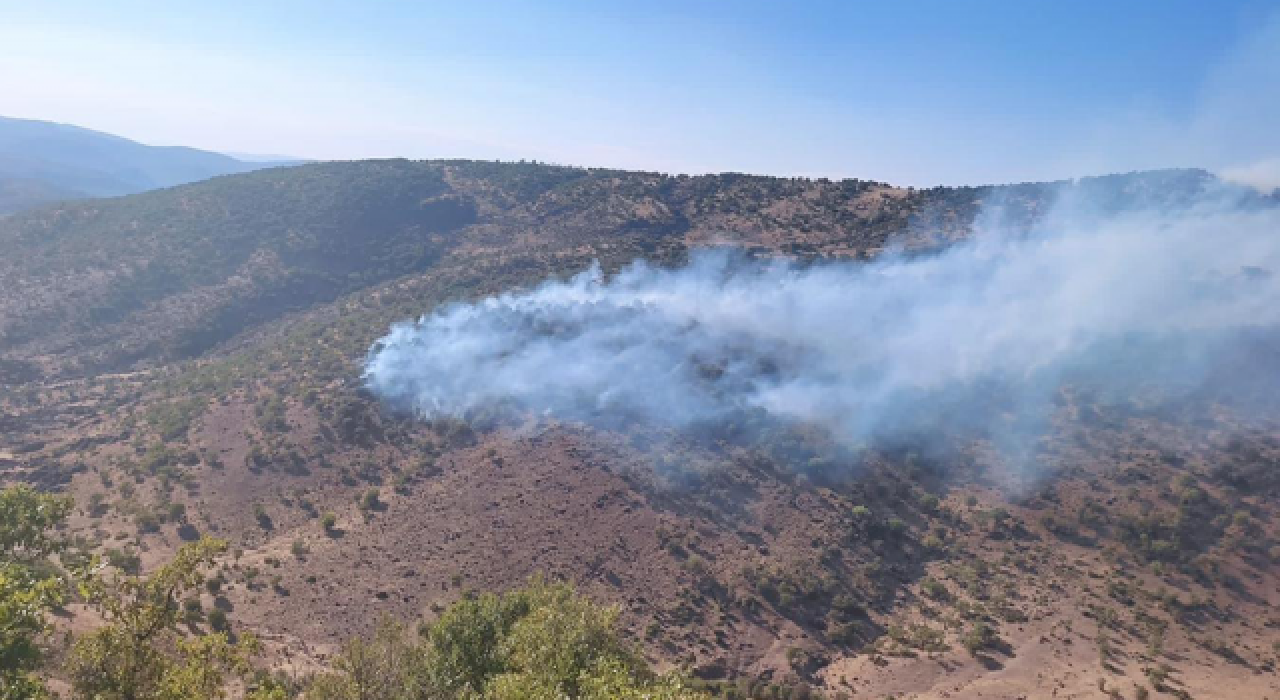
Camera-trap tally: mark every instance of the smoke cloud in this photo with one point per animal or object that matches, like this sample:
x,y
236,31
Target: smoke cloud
x,y
1117,299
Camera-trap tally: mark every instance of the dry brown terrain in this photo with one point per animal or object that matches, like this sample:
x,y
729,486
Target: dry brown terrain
x,y
1137,547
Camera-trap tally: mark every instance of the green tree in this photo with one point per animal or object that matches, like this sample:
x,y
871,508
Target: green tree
x,y
139,654
390,665
29,584
466,642
611,679
542,642
559,644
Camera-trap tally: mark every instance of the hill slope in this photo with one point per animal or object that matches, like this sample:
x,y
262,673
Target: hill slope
x,y
102,285
188,361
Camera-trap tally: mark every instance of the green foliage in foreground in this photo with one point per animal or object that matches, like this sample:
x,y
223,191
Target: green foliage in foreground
x,y
29,585
541,642
141,654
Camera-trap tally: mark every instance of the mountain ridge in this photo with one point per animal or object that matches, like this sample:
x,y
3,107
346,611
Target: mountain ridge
x,y
70,162
326,229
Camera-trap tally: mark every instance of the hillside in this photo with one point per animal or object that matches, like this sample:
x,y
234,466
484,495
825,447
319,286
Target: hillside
x,y
104,285
188,361
45,162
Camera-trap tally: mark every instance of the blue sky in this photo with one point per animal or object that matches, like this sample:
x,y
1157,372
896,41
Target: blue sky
x,y
908,92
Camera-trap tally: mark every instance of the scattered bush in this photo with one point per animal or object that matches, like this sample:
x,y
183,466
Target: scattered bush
x,y
218,621
933,588
980,637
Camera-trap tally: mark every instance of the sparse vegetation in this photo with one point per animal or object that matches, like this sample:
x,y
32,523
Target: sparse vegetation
x,y
762,530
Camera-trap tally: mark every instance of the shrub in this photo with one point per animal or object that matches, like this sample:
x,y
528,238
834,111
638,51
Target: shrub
x,y
192,609
264,519
542,641
147,522
933,588
980,637
896,526
126,561
218,620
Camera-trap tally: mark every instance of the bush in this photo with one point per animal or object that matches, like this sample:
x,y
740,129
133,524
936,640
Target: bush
x,y
980,637
934,589
896,526
218,621
933,543
192,610
126,561
542,641
328,521
147,522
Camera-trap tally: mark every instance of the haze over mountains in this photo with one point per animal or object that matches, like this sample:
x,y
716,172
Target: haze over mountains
x,y
44,161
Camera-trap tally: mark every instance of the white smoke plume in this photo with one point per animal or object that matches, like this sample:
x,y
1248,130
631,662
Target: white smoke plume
x,y
1145,295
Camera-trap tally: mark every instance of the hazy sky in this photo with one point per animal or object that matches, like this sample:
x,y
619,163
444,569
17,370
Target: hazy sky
x,y
909,92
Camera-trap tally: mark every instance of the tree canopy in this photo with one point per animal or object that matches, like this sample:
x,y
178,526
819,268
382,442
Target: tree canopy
x,y
540,642
30,585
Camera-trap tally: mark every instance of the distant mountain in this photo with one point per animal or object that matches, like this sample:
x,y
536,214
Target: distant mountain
x,y
266,159
44,161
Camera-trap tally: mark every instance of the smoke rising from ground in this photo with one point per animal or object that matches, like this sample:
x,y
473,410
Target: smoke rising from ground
x,y
1118,301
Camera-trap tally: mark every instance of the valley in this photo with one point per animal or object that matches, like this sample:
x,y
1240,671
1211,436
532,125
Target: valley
x,y
189,362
